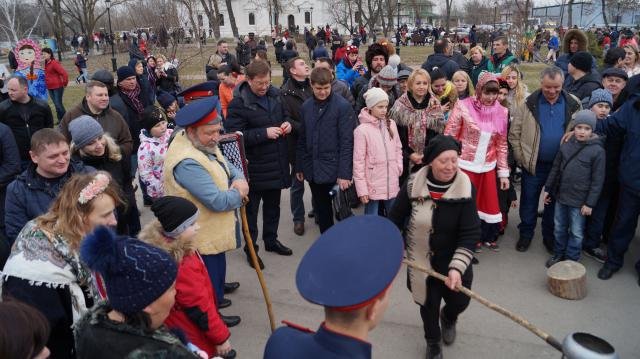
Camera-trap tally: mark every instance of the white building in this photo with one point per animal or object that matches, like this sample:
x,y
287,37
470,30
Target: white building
x,y
253,16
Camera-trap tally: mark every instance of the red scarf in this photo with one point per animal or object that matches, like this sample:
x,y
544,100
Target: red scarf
x,y
134,96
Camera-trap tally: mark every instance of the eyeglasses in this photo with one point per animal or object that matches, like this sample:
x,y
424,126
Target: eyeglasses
x,y
260,83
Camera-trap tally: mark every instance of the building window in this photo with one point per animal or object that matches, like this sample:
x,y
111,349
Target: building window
x,y
252,19
307,17
200,22
220,19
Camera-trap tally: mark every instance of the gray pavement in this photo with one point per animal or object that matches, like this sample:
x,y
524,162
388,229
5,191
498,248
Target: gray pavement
x,y
512,279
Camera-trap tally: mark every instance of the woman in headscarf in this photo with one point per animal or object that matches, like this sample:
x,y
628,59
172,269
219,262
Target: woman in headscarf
x,y
419,118
44,269
480,123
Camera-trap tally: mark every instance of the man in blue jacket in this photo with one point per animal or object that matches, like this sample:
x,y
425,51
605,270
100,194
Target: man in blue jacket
x,y
624,123
324,154
31,193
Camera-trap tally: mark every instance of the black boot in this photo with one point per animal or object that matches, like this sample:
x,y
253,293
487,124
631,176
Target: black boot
x,y
260,264
434,350
448,328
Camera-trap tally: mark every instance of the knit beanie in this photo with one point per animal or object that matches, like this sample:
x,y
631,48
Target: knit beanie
x,y
166,99
124,72
585,117
375,95
135,273
175,214
103,76
582,61
600,95
437,145
151,116
84,129
388,76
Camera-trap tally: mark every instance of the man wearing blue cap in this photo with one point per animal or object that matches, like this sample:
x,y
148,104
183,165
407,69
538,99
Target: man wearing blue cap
x,y
195,169
352,289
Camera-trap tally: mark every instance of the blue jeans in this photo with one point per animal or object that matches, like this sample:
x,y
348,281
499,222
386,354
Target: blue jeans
x,y
372,207
624,228
569,231
56,97
296,197
529,198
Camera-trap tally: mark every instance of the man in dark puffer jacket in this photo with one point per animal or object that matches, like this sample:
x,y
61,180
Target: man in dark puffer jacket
x,y
257,110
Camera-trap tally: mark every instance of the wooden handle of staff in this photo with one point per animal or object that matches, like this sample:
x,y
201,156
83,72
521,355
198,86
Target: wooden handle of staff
x,y
487,303
254,260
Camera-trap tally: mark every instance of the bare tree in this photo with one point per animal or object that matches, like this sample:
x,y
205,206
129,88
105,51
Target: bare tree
x,y
17,19
478,11
232,19
570,13
213,13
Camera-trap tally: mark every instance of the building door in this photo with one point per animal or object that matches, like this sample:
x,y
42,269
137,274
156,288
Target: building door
x,y
291,23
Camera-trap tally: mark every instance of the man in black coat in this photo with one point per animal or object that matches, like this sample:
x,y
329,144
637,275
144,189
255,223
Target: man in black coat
x,y
294,92
24,115
583,81
257,110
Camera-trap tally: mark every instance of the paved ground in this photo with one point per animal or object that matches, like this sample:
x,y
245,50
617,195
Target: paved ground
x,y
512,279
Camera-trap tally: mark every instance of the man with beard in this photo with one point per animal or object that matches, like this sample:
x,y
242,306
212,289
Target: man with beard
x,y
376,58
195,169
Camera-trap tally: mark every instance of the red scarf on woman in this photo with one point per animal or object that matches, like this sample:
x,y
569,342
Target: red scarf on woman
x,y
134,96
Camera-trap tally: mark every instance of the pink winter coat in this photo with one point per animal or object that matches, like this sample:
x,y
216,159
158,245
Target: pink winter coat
x,y
377,158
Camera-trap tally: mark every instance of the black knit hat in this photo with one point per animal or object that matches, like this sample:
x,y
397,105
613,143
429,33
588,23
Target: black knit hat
x,y
437,145
582,61
151,116
175,214
124,72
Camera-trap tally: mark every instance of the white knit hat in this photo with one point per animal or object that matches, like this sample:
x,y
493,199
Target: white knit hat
x,y
375,95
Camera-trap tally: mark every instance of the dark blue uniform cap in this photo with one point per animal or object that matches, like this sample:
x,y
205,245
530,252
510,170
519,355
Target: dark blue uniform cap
x,y
201,90
351,263
198,113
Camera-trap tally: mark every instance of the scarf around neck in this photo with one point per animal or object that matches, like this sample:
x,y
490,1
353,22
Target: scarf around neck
x,y
45,259
134,97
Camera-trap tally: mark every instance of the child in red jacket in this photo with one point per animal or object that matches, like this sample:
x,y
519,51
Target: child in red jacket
x,y
195,311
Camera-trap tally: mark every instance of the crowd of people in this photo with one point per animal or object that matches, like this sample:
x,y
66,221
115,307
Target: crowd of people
x,y
438,150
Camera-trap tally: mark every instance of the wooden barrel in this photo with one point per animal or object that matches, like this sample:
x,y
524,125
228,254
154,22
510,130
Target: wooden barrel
x,y
568,280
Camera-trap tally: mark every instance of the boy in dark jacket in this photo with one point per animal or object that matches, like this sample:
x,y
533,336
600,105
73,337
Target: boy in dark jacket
x,y
575,181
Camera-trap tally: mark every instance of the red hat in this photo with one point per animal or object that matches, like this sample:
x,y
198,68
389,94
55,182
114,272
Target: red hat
x,y
352,49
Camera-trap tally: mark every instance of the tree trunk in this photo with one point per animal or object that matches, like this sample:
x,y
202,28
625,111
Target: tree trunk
x,y
568,280
211,10
604,13
448,4
232,19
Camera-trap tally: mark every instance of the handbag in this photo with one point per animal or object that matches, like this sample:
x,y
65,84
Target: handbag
x,y
342,201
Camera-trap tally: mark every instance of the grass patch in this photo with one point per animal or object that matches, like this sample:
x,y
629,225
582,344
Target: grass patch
x,y
193,60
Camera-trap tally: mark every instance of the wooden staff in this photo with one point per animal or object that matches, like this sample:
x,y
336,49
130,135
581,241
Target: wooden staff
x,y
516,318
256,265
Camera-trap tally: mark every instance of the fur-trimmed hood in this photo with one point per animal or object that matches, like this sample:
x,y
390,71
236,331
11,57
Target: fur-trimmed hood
x,y
177,248
571,34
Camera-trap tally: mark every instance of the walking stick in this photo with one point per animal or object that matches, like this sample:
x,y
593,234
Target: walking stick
x,y
254,261
515,317
232,147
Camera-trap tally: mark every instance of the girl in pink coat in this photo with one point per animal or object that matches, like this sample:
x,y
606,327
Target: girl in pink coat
x,y
377,154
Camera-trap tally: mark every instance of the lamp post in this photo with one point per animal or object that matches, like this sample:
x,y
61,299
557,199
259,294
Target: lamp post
x,y
398,28
114,64
495,31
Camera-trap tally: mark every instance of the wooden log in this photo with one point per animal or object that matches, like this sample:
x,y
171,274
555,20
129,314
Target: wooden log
x,y
568,280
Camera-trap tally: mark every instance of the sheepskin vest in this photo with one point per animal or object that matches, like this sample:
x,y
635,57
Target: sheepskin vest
x,y
420,227
217,232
